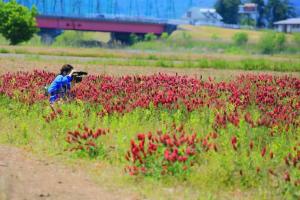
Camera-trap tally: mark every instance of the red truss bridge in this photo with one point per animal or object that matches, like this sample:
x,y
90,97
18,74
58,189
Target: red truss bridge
x,y
120,28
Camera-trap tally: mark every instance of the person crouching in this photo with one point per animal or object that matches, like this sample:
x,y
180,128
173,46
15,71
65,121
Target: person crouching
x,y
61,85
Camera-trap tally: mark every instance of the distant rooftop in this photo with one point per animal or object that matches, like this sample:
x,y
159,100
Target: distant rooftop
x,y
212,10
198,15
289,21
250,5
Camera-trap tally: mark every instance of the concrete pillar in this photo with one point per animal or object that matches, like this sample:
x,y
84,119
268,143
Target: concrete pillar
x,y
124,38
48,35
47,39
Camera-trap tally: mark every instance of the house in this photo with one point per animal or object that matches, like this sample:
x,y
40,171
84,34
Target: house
x,y
248,13
288,26
198,15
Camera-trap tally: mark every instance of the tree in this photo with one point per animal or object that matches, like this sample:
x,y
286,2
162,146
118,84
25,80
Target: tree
x,y
296,39
240,38
277,10
261,12
17,23
228,9
247,21
271,42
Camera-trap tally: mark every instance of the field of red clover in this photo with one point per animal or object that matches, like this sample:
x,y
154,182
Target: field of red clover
x,y
242,132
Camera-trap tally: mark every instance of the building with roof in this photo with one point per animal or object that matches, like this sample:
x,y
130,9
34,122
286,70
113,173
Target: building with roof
x,y
288,26
197,16
248,14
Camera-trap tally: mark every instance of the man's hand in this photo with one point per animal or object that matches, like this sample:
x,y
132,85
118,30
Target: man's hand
x,y
72,72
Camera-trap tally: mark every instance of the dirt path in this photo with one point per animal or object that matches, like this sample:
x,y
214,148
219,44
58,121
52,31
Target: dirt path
x,y
23,177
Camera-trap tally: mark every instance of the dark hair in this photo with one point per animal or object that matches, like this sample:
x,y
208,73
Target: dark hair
x,y
66,68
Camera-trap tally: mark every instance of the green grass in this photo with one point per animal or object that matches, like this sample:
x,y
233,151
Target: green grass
x,y
213,177
186,39
184,49
213,39
81,39
67,39
3,50
3,41
248,64
188,51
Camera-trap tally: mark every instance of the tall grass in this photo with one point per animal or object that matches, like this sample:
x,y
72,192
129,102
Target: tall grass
x,y
215,171
213,176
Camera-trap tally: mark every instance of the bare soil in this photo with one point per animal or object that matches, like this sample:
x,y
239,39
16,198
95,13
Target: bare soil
x,y
25,177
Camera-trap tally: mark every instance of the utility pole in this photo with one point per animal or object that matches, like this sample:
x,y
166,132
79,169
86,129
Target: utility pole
x,y
43,5
25,3
55,5
36,3
90,6
116,7
170,9
98,6
152,8
110,5
149,7
77,7
133,5
62,6
156,8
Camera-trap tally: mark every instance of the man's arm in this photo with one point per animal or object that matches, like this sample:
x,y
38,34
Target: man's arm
x,y
66,80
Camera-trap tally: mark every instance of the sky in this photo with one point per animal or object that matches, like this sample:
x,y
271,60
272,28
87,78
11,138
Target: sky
x,y
150,8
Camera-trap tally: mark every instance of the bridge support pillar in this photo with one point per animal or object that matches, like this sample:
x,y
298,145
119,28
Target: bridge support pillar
x,y
170,28
47,39
125,38
48,35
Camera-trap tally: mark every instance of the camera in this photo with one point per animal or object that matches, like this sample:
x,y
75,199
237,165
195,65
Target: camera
x,y
77,76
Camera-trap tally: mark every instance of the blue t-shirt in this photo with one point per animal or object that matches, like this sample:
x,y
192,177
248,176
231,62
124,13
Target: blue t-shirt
x,y
59,83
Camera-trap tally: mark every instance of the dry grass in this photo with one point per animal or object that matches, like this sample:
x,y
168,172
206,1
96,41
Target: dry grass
x,y
129,54
98,36
206,33
25,64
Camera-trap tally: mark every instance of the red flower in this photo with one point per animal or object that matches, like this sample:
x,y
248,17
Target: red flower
x,y
189,151
257,170
234,142
251,145
59,111
272,172
286,176
149,135
167,154
141,136
263,152
214,135
215,147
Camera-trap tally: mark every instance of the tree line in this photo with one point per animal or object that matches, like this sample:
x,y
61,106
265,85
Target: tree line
x,y
268,13
17,22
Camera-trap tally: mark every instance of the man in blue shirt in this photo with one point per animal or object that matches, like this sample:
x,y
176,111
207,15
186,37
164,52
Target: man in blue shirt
x,y
61,85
